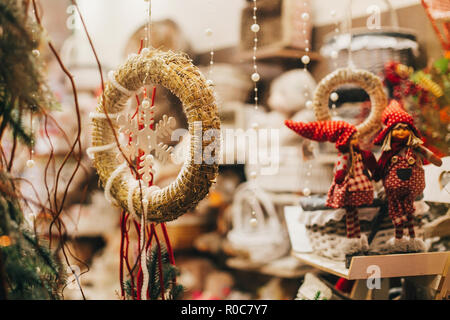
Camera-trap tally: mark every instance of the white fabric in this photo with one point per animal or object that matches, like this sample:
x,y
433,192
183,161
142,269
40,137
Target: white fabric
x,y
101,115
91,150
110,180
369,42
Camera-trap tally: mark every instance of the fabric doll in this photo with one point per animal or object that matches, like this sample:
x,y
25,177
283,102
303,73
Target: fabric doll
x,y
400,168
352,186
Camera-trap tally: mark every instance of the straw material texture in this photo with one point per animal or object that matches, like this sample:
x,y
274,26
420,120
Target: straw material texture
x,y
364,79
175,72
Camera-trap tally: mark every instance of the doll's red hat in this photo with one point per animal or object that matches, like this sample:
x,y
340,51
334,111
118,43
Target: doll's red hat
x,y
392,115
332,131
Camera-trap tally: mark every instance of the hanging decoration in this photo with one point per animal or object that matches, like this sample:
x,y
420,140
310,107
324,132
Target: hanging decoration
x,y
125,147
177,73
255,75
209,33
305,59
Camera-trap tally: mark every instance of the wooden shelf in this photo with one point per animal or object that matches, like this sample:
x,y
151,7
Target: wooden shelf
x,y
394,265
277,53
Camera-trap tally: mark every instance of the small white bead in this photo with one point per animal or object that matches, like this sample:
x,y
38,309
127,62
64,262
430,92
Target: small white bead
x,y
35,52
306,192
253,222
334,97
30,163
305,16
255,27
334,54
209,32
145,202
255,77
209,82
146,103
145,51
309,104
253,175
306,59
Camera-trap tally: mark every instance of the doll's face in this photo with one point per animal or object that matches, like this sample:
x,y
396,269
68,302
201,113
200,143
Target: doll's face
x,y
401,132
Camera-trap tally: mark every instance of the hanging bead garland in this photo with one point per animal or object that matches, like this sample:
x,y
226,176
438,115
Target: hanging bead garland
x,y
255,28
305,59
334,55
209,33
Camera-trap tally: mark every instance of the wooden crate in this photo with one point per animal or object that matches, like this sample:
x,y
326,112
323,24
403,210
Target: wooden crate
x,y
281,25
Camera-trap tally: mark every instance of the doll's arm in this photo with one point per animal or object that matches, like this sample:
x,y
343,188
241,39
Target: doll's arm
x,y
429,155
340,170
370,163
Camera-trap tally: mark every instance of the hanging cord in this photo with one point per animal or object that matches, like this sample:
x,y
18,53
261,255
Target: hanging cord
x,y
148,25
144,253
350,63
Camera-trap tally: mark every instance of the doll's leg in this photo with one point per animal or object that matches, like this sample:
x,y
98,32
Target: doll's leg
x,y
409,211
352,221
411,231
396,213
356,225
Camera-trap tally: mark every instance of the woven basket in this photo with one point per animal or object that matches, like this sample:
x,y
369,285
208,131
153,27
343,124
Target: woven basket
x,y
339,227
327,240
371,49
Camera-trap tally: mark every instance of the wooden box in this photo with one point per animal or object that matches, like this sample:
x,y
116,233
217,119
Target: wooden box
x,y
281,24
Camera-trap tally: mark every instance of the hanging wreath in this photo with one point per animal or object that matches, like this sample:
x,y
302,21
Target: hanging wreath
x,y
364,79
175,72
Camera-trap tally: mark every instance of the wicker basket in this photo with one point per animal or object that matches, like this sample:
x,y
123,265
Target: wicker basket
x,y
280,22
327,235
371,49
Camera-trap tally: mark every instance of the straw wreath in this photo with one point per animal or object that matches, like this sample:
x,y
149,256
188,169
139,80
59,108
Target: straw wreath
x,y
364,79
176,72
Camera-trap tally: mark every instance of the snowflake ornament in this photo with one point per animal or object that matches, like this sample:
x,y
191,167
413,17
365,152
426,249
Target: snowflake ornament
x,y
141,138
146,170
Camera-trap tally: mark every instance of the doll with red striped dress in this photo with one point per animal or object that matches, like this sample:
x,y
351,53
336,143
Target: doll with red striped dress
x,y
352,186
400,169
